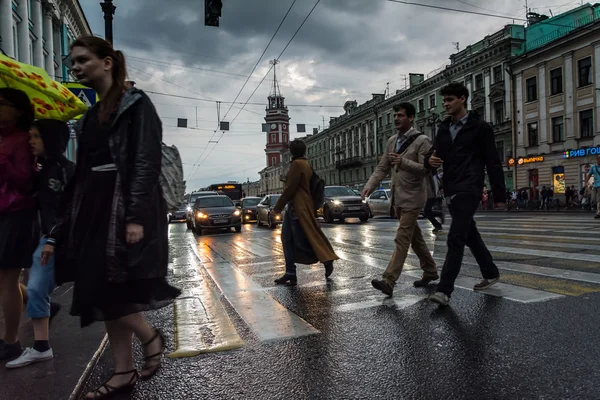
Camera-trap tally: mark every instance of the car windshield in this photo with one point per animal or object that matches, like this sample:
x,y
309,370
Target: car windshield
x,y
250,202
221,201
195,196
274,199
338,192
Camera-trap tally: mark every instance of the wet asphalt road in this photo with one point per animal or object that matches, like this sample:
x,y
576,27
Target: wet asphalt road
x,y
533,337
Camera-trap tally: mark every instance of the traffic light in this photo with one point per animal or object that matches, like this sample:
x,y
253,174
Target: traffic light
x,y
212,12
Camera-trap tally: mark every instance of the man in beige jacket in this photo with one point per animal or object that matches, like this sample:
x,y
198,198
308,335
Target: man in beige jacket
x,y
404,158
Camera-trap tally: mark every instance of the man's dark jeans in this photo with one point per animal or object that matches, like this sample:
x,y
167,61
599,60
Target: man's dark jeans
x,y
293,237
463,231
430,214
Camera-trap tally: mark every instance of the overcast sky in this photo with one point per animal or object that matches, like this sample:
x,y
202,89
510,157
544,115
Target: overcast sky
x,y
347,50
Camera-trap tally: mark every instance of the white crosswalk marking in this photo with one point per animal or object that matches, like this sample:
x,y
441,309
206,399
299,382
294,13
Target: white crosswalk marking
x,y
542,259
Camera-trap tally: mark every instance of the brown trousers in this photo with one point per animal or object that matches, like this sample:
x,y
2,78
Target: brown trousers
x,y
409,233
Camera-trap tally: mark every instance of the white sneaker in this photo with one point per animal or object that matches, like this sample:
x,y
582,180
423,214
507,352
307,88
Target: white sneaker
x,y
30,356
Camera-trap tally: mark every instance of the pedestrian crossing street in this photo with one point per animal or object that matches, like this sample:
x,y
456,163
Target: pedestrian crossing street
x,y
228,277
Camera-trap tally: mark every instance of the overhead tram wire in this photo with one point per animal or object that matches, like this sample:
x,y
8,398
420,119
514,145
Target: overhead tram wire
x,y
262,80
410,3
180,87
247,79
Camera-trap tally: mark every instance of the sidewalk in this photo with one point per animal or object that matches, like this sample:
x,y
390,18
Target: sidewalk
x,y
73,349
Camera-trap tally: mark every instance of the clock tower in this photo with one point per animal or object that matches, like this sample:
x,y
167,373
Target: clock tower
x,y
277,119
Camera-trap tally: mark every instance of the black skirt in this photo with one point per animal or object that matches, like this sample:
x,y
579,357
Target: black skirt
x,y
16,239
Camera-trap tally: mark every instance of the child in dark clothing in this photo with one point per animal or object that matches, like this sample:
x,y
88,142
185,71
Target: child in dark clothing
x,y
48,140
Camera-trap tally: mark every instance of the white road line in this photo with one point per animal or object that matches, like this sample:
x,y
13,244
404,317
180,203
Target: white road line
x,y
588,277
511,292
502,228
253,247
398,303
535,236
575,246
267,318
546,253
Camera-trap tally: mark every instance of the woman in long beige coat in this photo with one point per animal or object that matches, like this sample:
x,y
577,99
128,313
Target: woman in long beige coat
x,y
301,236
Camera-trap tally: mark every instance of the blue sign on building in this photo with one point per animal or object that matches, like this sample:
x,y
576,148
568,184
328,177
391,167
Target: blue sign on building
x,y
586,151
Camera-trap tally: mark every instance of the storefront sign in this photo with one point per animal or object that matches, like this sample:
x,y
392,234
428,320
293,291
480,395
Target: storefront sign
x,y
511,162
529,160
586,151
558,179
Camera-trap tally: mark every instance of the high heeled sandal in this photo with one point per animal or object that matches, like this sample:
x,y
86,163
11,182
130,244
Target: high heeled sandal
x,y
110,391
153,363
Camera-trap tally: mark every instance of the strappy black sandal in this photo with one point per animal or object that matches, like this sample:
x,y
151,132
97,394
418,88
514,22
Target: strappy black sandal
x,y
153,363
107,391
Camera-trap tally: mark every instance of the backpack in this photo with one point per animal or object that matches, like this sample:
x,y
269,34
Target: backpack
x,y
317,190
171,176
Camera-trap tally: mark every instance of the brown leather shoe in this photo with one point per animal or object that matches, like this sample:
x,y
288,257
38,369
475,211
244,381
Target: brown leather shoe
x,y
383,286
425,280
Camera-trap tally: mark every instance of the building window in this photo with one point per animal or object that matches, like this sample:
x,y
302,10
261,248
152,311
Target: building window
x,y
498,74
371,126
273,138
585,71
380,122
500,148
532,134
586,123
558,129
478,82
389,118
284,138
531,85
432,101
16,42
481,112
556,81
498,112
421,105
365,171
273,160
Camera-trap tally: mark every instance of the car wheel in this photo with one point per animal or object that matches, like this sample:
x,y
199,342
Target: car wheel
x,y
342,220
198,230
364,218
189,226
328,216
270,223
258,223
371,213
238,228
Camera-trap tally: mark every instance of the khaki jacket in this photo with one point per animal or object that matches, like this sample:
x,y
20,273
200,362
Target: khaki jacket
x,y
408,183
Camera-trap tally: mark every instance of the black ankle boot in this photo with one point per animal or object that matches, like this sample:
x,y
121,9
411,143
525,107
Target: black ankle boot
x,y
287,280
328,268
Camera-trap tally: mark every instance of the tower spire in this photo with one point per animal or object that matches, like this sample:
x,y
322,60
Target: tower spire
x,y
275,92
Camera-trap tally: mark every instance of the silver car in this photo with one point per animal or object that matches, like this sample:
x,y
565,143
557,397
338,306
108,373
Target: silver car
x,y
379,202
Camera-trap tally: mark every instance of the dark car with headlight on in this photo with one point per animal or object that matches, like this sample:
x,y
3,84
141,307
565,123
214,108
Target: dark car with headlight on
x,y
179,214
266,214
215,212
247,206
341,202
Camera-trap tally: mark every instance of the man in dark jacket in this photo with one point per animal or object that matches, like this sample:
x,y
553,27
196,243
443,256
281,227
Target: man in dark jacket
x,y
465,146
48,142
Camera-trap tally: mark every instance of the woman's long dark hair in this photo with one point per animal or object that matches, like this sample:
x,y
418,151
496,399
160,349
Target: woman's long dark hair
x,y
21,101
102,49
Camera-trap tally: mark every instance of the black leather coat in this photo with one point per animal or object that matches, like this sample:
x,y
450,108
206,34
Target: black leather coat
x,y
135,139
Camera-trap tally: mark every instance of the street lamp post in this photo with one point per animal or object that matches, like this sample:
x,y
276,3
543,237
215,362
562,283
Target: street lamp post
x,y
108,8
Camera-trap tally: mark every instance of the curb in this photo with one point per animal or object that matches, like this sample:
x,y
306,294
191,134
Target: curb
x,y
76,394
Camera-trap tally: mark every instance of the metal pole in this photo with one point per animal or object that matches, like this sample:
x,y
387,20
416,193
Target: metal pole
x,y
108,8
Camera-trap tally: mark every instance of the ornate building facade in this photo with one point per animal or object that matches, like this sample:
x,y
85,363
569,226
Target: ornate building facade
x,y
39,32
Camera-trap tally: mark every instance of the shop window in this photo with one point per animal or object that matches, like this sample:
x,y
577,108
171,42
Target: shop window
x,y
586,123
558,129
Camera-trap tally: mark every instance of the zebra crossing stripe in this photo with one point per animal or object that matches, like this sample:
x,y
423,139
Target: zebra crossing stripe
x,y
202,324
268,319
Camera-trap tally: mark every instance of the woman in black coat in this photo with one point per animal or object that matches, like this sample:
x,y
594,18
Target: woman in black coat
x,y
112,241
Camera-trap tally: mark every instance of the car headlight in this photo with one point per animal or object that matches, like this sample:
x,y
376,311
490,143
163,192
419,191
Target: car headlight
x,y
248,211
202,215
236,213
278,217
188,208
336,202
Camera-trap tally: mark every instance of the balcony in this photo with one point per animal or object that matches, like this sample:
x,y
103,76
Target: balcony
x,y
350,162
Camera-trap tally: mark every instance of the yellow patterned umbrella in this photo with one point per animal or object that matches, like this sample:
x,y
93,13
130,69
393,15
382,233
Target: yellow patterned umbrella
x,y
50,99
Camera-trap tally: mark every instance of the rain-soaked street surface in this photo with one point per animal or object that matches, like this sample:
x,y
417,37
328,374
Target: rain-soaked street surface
x,y
234,335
